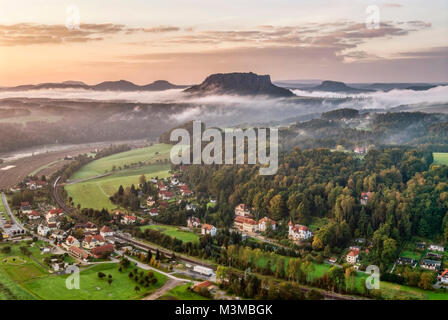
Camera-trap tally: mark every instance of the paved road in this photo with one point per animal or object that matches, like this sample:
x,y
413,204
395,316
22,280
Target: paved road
x,y
170,284
8,211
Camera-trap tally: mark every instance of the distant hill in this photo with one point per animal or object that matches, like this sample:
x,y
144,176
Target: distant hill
x,y
121,85
404,86
239,84
336,86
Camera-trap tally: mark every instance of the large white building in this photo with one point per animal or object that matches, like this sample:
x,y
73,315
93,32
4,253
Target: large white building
x,y
299,232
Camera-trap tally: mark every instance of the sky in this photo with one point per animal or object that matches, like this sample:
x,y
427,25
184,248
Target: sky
x,y
184,41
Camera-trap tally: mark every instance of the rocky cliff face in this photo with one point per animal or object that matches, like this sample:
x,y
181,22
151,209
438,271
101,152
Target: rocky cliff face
x,y
239,84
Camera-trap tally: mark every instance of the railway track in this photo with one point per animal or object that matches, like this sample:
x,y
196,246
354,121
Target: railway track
x,y
169,254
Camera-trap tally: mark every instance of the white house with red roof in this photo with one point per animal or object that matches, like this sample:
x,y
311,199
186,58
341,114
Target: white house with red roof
x,y
365,196
128,219
352,256
91,242
263,223
154,212
150,201
299,232
242,210
245,224
186,192
106,231
165,195
53,214
72,241
33,215
208,229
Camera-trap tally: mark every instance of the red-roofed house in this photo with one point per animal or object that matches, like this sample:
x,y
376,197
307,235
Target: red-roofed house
x,y
242,210
165,195
91,242
154,212
106,231
264,222
79,253
103,251
352,256
245,224
71,241
299,232
208,229
128,219
33,215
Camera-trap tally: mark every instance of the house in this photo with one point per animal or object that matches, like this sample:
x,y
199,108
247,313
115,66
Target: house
x,y
165,195
407,261
333,260
33,215
352,257
365,196
71,241
58,235
299,232
242,210
420,246
443,277
106,232
91,242
429,264
437,248
186,192
43,230
25,207
264,222
102,251
360,150
191,207
150,201
154,212
203,285
53,214
162,186
79,253
245,224
128,219
193,222
208,229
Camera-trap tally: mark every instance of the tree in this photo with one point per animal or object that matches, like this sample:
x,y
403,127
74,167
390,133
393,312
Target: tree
x,y
101,275
109,281
137,288
426,280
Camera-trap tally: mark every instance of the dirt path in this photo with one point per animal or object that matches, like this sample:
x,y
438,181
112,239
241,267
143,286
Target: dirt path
x,y
170,284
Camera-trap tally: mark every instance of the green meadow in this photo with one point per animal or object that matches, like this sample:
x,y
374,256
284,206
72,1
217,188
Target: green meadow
x,y
182,293
173,231
440,158
95,193
92,287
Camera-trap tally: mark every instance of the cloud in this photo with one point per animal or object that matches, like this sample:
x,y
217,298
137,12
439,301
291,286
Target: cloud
x,y
29,33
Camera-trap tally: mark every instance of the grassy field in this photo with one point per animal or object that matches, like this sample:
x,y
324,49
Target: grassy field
x,y
182,293
173,231
95,193
16,268
93,288
396,291
440,158
146,155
